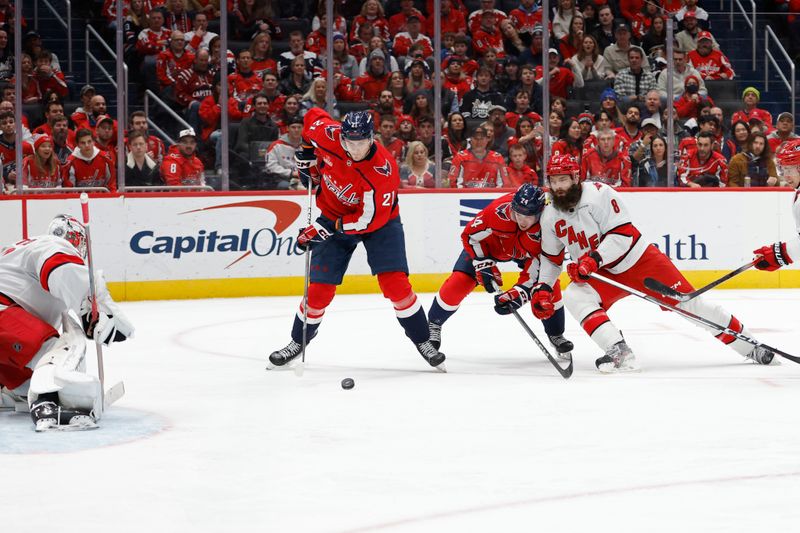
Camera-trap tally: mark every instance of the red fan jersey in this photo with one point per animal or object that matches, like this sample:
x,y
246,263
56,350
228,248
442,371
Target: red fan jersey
x,y
168,65
469,171
403,42
512,118
380,26
36,177
397,22
516,177
95,171
614,170
8,155
362,193
762,114
193,86
483,41
177,169
714,66
372,86
524,21
152,43
691,167
494,234
562,147
244,86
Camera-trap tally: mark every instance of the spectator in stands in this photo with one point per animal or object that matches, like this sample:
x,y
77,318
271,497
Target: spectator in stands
x,y
712,64
501,132
244,83
688,105
604,33
682,70
586,122
181,166
454,78
48,78
532,55
602,121
589,13
281,167
137,121
97,108
425,131
403,41
31,94
476,102
193,85
608,102
456,132
571,141
687,39
385,105
81,114
52,112
452,20
406,129
416,75
617,53
291,109
784,131
62,144
652,106
339,21
487,36
317,40
348,63
297,48
297,82
521,108
376,78
6,57
251,17
104,137
640,148
754,167
690,8
261,52
703,166
372,12
398,22
656,34
565,11
209,7
630,132
421,106
640,19
751,97
740,134
315,96
41,169
518,171
417,171
359,47
33,45
140,168
572,42
8,140
88,166
607,164
562,79
172,61
155,38
651,170
633,83
588,63
477,166
177,18
387,125
257,128
134,22
528,137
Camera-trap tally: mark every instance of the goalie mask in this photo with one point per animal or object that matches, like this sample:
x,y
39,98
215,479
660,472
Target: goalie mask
x,y
71,230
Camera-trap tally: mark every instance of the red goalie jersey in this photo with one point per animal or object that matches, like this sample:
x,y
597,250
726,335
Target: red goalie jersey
x,y
362,193
494,234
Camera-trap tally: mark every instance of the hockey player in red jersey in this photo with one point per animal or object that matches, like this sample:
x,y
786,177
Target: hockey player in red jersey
x,y
774,256
357,196
591,222
505,230
42,349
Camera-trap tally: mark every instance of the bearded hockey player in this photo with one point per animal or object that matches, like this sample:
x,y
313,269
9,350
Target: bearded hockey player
x,y
591,222
505,230
357,195
42,348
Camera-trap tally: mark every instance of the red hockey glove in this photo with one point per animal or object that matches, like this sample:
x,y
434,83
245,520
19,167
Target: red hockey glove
x,y
487,274
512,299
542,302
588,263
772,257
305,162
316,233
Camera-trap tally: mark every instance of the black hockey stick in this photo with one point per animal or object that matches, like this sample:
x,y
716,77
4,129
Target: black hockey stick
x,y
656,286
565,372
693,317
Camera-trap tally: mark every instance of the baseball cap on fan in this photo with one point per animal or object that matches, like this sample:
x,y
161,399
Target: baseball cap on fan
x,y
188,132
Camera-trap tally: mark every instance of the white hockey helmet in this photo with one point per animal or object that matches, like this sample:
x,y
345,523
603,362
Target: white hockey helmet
x,y
71,230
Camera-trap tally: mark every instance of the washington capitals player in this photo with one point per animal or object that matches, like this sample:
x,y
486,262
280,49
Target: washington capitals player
x,y
590,220
505,230
41,280
779,254
357,195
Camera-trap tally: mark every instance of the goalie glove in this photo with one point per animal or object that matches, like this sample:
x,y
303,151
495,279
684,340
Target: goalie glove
x,y
487,274
511,300
107,328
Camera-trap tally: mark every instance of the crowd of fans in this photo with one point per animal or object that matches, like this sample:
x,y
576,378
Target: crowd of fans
x,y
493,132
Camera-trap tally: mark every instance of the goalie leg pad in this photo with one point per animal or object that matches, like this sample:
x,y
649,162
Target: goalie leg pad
x,y
21,338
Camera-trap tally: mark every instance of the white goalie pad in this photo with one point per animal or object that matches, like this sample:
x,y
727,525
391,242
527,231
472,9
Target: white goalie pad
x,y
62,369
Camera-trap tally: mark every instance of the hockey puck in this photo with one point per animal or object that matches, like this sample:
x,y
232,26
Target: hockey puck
x,y
348,383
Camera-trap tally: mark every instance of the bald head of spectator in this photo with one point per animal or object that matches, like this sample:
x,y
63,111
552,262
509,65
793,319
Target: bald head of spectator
x,y
652,102
201,60
177,42
98,105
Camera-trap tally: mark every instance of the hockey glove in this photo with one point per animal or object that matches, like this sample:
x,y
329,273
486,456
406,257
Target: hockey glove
x,y
588,263
487,274
772,257
107,328
317,232
305,160
512,299
542,302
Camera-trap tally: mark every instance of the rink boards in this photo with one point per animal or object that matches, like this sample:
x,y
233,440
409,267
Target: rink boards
x,y
201,245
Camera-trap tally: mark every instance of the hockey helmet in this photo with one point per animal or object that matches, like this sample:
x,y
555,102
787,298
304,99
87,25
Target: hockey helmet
x,y
71,230
563,164
358,129
529,200
789,154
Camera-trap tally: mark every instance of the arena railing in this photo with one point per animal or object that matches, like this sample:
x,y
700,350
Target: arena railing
x,y
751,21
168,188
769,35
61,190
91,32
67,24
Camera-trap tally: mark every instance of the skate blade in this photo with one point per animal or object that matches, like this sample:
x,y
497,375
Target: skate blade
x,y
610,369
441,368
43,426
566,356
288,366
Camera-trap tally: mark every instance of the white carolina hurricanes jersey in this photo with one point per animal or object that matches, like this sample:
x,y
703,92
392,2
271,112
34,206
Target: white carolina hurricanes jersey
x,y
599,222
45,275
793,245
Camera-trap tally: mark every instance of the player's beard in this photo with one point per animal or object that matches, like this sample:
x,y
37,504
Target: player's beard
x,y
568,200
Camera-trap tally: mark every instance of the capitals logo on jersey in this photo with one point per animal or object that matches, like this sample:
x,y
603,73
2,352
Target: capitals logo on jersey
x,y
384,170
341,192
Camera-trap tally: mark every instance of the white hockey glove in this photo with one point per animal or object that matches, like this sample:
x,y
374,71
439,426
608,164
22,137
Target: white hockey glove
x,y
112,325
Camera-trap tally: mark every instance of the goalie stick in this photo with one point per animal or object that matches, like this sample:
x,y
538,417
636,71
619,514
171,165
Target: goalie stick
x,y
656,286
693,317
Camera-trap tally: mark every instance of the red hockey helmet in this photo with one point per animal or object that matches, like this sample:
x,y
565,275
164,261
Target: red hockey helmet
x,y
789,154
563,164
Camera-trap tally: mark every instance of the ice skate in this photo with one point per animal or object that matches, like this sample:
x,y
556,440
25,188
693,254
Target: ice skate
x,y
284,355
433,356
47,415
618,358
761,355
435,334
563,346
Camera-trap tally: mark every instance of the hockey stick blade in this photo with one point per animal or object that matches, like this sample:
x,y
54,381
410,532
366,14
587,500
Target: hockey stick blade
x,y
565,372
656,286
693,317
113,394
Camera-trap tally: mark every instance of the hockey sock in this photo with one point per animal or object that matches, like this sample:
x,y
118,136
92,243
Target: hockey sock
x,y
598,326
450,295
320,296
555,324
397,289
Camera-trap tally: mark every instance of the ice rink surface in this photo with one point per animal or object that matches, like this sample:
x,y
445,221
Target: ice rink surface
x,y
206,440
